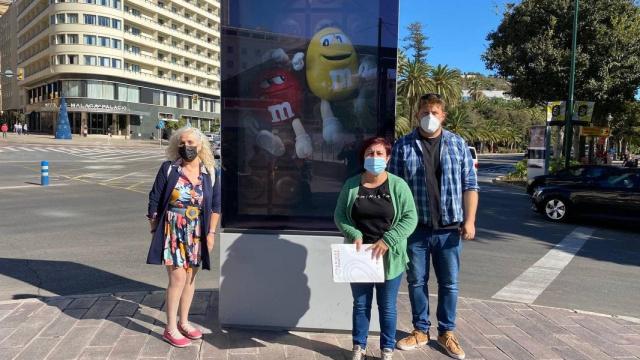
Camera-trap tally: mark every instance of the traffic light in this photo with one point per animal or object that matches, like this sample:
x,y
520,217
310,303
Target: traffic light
x,y
20,75
195,98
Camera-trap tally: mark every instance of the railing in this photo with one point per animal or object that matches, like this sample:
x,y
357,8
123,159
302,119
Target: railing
x,y
175,13
22,44
155,23
166,43
38,14
195,69
167,78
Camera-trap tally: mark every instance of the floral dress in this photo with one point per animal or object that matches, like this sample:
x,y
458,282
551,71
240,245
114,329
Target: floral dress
x,y
182,245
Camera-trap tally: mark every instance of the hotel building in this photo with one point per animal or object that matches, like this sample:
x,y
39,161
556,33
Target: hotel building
x,y
121,65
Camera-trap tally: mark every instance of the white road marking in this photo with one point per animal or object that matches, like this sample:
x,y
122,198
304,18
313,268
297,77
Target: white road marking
x,y
26,149
28,186
532,282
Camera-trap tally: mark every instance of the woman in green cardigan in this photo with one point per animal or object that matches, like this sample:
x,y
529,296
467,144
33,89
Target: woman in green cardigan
x,y
376,209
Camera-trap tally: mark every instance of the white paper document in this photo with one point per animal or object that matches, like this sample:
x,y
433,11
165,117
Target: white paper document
x,y
351,266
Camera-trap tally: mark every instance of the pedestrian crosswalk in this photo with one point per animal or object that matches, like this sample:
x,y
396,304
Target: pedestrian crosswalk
x,y
90,152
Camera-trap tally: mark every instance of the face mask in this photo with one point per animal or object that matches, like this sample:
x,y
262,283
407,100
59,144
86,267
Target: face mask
x,y
430,123
188,153
375,165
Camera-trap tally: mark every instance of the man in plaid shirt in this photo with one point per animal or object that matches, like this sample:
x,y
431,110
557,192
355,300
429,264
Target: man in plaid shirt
x,y
439,168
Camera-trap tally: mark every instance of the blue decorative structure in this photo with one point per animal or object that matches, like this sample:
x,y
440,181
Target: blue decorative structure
x,y
63,130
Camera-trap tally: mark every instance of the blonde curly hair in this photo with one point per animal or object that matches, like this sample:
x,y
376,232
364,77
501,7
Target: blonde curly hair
x,y
205,154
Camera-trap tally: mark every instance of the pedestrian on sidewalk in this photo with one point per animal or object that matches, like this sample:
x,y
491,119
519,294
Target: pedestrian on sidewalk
x,y
438,167
4,129
19,128
25,129
376,209
184,209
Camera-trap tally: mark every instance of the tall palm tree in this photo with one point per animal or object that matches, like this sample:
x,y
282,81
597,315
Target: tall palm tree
x,y
414,81
475,89
448,83
458,122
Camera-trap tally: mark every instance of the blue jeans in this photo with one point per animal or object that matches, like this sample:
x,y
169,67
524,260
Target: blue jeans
x,y
386,295
444,247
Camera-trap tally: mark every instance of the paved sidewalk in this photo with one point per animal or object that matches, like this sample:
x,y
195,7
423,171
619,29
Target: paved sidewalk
x,y
129,326
40,139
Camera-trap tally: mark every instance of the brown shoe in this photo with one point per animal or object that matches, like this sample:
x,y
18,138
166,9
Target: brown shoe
x,y
416,339
450,344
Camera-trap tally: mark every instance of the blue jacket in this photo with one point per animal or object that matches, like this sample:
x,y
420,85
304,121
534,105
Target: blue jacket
x,y
159,202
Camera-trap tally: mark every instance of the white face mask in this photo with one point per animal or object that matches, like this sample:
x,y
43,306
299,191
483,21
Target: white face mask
x,y
430,123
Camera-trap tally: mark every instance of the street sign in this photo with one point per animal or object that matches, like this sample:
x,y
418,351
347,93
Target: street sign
x,y
160,124
595,131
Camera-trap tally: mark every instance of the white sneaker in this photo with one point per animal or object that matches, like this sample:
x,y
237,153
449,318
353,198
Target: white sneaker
x,y
359,353
387,354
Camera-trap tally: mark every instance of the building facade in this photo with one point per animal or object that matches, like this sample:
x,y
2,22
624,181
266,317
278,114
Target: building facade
x,y
120,65
10,96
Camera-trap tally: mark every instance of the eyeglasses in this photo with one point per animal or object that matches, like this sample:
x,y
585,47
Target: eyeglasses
x,y
430,96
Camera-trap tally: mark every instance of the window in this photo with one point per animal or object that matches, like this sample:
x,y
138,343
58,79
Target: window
x,y
90,60
72,18
115,24
135,50
122,92
60,39
104,41
60,19
135,12
94,89
116,63
104,2
72,59
133,94
116,44
90,1
172,100
61,59
135,31
89,39
105,61
134,68
104,21
72,88
73,39
89,19
108,91
116,4
174,60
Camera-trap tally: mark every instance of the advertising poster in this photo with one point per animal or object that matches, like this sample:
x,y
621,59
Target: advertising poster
x,y
303,84
535,163
583,110
556,111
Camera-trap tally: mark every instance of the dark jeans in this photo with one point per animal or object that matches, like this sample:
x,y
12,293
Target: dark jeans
x,y
444,247
386,295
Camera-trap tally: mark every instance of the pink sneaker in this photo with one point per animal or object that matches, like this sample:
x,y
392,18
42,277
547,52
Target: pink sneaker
x,y
194,334
183,342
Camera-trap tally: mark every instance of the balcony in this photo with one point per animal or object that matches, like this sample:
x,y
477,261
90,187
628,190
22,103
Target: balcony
x,y
191,70
172,15
165,46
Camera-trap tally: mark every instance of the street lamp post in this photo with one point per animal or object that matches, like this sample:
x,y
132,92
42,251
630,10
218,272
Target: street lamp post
x,y
568,129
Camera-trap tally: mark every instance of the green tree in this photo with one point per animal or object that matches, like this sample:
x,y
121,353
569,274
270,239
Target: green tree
x,y
448,83
413,82
416,41
532,47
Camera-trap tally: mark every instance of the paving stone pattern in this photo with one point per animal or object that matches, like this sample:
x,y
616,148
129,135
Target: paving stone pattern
x,y
129,326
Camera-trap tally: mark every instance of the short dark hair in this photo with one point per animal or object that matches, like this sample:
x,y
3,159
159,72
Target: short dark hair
x,y
431,100
374,141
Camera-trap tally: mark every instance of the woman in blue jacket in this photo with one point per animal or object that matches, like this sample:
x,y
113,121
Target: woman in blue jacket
x,y
184,209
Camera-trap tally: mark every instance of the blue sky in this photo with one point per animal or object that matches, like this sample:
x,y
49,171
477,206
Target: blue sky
x,y
457,29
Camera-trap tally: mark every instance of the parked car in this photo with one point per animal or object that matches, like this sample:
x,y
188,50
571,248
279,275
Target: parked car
x,y
573,174
614,194
474,155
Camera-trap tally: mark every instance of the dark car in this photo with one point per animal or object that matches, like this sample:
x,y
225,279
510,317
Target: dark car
x,y
582,173
615,195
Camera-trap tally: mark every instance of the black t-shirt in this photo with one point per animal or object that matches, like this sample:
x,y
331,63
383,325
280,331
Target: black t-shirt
x,y
433,172
373,212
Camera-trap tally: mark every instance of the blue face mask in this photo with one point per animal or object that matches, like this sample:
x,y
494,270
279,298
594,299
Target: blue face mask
x,y
375,165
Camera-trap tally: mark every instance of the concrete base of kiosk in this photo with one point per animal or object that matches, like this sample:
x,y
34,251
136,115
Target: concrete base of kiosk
x,y
281,281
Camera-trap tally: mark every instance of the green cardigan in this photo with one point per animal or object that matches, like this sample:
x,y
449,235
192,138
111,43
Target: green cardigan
x,y
404,223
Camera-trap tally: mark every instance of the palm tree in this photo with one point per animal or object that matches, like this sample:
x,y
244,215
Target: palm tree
x,y
475,89
447,82
458,122
413,82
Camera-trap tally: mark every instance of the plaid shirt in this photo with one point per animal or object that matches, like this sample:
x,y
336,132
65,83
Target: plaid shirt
x,y
458,174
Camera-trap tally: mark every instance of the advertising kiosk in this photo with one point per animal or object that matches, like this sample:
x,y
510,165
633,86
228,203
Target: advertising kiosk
x,y
303,83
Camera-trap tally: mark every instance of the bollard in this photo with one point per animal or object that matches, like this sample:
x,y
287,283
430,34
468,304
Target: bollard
x,y
44,173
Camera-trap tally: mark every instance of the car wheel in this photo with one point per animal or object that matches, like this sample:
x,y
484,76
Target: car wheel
x,y
556,209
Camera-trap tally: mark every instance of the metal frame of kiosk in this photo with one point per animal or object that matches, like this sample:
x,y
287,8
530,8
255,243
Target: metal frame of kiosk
x,y
278,198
